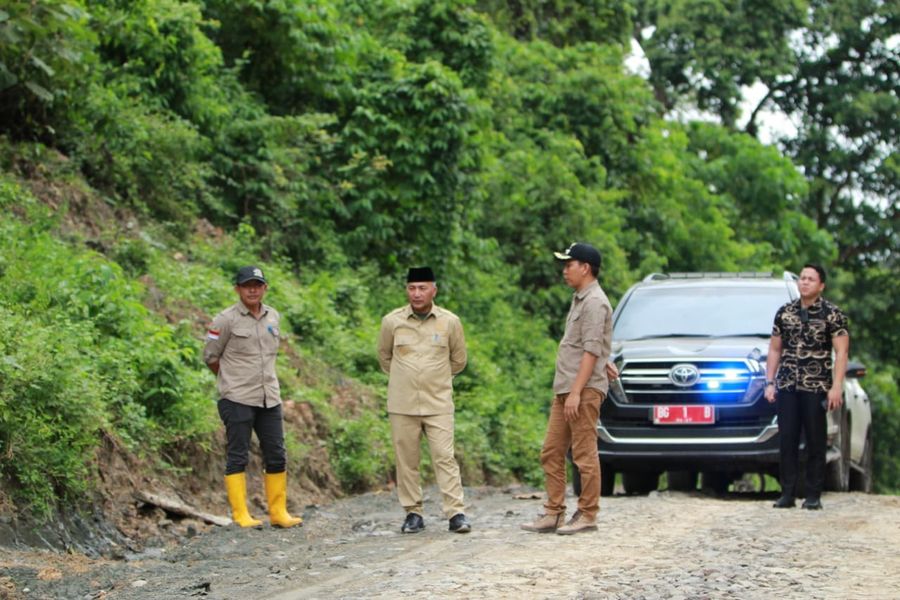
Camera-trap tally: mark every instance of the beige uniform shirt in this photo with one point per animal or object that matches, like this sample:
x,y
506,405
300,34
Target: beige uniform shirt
x,y
421,357
588,329
246,348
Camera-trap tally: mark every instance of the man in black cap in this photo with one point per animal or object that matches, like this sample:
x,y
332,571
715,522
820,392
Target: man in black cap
x,y
421,347
580,385
241,346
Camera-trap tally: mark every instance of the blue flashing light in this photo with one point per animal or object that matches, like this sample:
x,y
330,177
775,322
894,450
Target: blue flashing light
x,y
712,385
732,375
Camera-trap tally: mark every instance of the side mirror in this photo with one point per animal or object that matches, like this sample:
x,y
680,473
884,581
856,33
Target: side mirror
x,y
855,369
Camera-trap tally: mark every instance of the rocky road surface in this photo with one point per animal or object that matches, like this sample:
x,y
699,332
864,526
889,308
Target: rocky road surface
x,y
664,546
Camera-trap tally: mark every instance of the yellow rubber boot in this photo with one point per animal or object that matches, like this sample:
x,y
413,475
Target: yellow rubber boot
x,y
236,484
276,494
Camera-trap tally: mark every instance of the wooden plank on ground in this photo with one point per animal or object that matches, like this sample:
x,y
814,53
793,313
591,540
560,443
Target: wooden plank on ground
x,y
180,508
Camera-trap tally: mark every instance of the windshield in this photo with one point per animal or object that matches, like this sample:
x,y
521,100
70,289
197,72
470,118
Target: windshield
x,y
699,311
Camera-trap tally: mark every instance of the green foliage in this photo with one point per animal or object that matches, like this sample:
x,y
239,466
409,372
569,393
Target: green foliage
x,y
271,171
561,22
150,161
45,52
767,192
361,451
407,152
83,357
450,32
884,393
155,50
680,224
297,56
706,50
51,408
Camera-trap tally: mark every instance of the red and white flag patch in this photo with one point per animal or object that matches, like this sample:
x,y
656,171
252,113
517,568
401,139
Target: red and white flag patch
x,y
212,334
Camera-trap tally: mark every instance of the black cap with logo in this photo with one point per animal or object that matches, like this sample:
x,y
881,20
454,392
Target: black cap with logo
x,y
581,252
249,273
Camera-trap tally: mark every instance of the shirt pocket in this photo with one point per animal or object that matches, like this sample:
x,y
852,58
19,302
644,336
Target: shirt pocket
x,y
272,339
572,334
242,340
438,348
404,343
438,340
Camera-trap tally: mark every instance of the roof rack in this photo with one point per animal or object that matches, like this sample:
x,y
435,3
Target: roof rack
x,y
787,275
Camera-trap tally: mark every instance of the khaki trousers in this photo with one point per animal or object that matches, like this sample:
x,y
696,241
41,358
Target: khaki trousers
x,y
581,436
406,432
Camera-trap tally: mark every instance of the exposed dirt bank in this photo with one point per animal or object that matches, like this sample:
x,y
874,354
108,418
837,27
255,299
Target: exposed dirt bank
x,y
666,545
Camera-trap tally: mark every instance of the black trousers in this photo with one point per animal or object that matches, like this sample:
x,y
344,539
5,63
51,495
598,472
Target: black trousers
x,y
802,411
240,422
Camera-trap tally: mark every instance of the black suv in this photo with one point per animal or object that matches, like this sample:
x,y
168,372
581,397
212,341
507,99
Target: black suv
x,y
691,351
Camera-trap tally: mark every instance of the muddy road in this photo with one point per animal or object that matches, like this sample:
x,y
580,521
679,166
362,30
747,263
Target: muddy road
x,y
667,545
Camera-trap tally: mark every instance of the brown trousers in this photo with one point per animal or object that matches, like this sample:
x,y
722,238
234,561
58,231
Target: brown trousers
x,y
407,431
581,436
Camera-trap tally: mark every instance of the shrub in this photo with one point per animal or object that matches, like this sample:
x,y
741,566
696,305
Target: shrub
x,y
361,452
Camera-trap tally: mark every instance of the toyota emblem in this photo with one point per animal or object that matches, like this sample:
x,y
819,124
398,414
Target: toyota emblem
x,y
684,375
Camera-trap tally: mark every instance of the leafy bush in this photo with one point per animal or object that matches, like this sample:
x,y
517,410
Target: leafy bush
x,y
82,355
361,452
51,408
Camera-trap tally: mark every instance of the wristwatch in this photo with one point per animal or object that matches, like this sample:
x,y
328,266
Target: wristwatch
x,y
769,382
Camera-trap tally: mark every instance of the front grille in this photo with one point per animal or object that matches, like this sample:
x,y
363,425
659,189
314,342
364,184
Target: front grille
x,y
721,381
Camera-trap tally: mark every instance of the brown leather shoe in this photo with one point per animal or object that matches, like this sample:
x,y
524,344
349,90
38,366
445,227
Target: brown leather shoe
x,y
579,523
545,523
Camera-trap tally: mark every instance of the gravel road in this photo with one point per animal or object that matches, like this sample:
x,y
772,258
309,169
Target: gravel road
x,y
667,545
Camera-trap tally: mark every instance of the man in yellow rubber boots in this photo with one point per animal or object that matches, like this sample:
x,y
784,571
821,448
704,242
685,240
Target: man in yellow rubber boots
x,y
241,346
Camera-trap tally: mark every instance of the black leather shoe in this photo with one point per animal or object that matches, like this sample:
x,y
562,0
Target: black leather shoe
x,y
785,502
812,504
414,523
460,524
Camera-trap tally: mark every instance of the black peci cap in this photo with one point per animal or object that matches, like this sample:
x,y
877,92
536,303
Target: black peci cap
x,y
417,274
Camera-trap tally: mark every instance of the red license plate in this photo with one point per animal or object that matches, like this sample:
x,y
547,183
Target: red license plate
x,y
680,414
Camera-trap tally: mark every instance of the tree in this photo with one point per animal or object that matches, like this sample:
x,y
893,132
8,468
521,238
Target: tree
x,y
845,95
703,51
832,67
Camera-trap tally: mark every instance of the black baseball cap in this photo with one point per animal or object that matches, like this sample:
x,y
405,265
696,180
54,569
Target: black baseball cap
x,y
581,252
249,273
418,274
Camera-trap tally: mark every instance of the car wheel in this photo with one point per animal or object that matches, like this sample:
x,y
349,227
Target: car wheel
x,y
607,480
682,481
639,482
861,478
837,472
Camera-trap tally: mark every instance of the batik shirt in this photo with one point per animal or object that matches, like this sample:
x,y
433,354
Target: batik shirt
x,y
806,344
